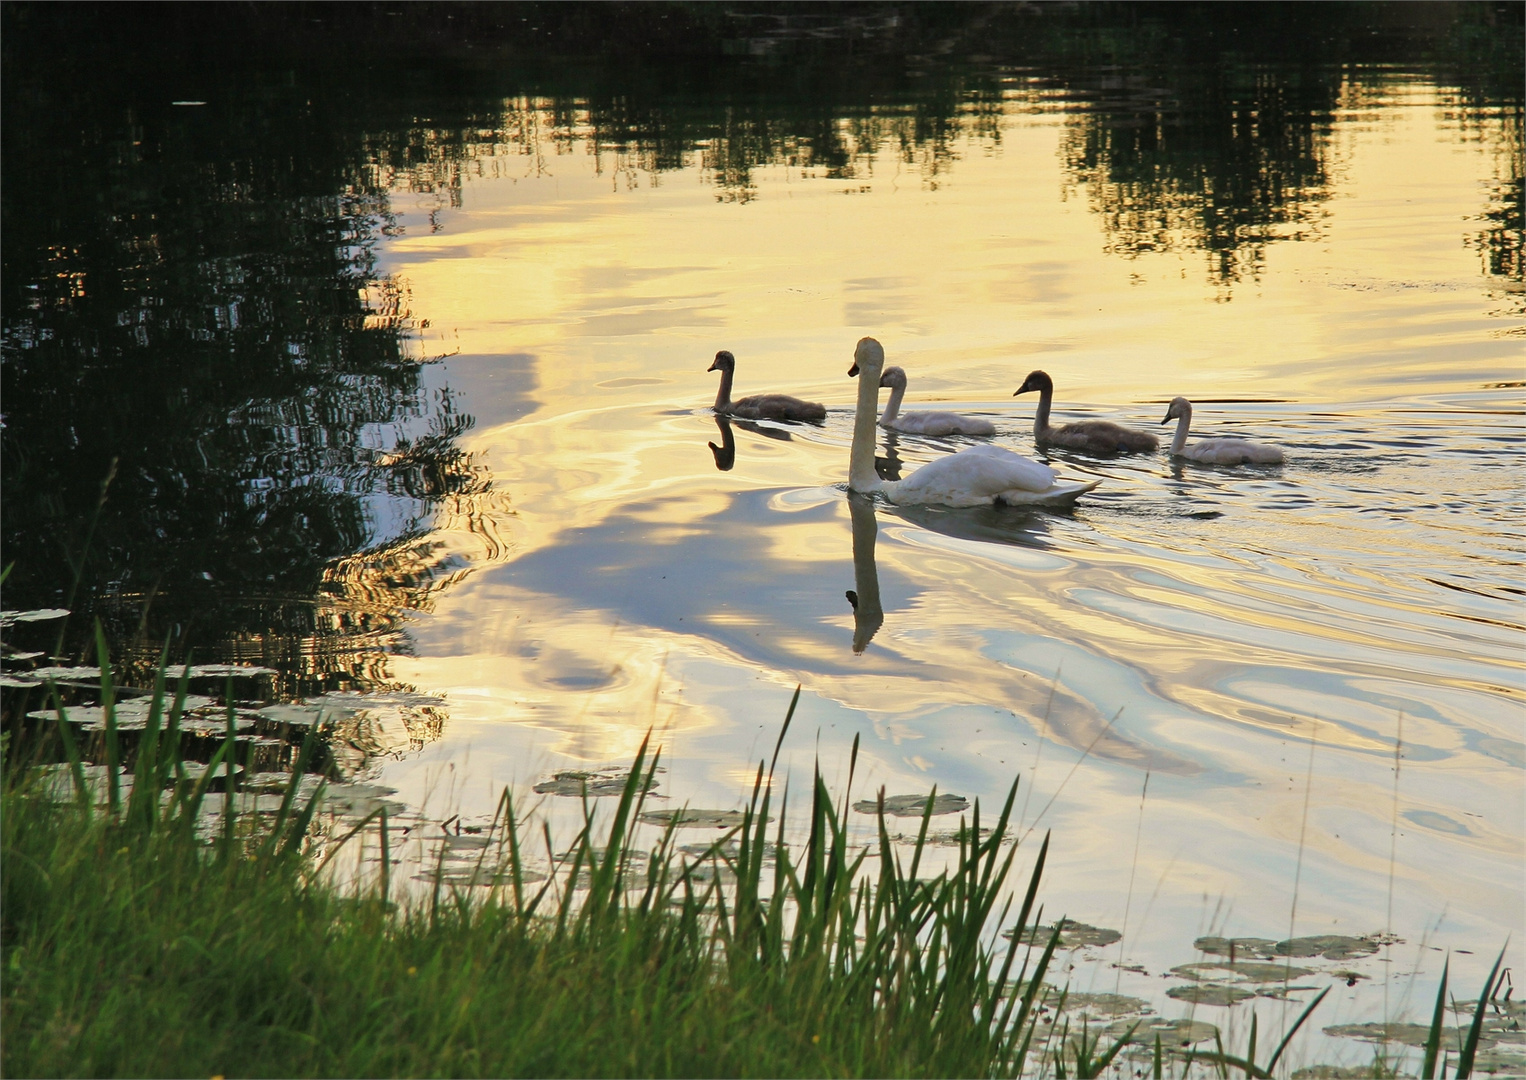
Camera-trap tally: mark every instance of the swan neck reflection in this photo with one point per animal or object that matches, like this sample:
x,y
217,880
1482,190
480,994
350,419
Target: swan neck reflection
x,y
726,453
867,612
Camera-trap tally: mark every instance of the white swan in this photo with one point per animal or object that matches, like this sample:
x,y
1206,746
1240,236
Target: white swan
x,y
1216,451
1092,436
979,476
760,406
925,423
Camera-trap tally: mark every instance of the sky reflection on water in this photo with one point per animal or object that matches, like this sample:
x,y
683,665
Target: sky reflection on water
x,y
1199,624
545,525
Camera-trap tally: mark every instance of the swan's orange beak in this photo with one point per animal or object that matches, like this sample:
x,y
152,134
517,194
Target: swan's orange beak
x,y
854,369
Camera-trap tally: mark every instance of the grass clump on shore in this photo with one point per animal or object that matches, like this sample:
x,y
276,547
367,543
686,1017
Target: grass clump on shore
x,y
133,946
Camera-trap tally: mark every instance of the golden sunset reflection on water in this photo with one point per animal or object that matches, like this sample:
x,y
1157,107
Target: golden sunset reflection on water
x,y
1200,625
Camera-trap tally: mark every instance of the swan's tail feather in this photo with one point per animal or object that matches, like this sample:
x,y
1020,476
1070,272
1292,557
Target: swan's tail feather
x,y
1061,491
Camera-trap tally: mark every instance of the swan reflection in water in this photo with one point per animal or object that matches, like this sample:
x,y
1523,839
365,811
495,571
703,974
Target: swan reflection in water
x,y
726,453
865,596
1019,525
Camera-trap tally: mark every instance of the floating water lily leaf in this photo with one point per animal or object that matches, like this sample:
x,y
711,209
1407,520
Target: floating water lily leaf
x,y
277,782
1497,1060
298,715
1334,1072
1240,971
1172,1032
132,714
1209,994
464,843
38,676
695,819
574,783
1250,948
194,770
1283,993
1073,935
914,805
10,618
201,671
1330,946
22,655
471,876
358,800
355,700
1108,1005
56,782
1407,1034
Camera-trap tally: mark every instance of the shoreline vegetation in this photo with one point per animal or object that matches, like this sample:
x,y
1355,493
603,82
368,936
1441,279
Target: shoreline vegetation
x,y
147,936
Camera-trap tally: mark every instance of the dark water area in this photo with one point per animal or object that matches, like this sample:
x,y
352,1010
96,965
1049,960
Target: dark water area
x,y
193,321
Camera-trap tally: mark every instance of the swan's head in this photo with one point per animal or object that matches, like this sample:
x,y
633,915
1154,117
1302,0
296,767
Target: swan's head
x,y
1180,407
724,361
1036,380
869,354
893,377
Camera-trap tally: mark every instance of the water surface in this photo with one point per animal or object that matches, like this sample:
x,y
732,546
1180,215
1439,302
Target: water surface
x,y
1204,676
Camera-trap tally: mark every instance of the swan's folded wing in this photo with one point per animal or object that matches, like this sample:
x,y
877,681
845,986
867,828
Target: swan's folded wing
x,y
973,477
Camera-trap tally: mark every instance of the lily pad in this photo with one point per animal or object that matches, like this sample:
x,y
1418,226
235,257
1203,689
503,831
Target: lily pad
x,y
1495,1060
1172,1033
1249,948
10,618
472,876
38,676
1334,1072
199,671
914,805
1073,935
1210,994
298,715
1106,1005
694,819
1407,1034
358,800
1330,946
574,784
1240,971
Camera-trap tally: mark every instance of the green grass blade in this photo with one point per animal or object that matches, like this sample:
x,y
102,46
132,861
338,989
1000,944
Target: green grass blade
x,y
1434,1037
1476,1029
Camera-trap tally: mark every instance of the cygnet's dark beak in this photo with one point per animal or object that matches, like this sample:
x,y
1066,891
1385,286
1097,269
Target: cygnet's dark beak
x,y
853,599
714,364
1167,419
854,369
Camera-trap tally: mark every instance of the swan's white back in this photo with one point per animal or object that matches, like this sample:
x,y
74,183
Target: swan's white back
x,y
978,476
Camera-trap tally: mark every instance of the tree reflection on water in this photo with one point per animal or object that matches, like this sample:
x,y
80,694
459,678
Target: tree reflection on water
x,y
190,290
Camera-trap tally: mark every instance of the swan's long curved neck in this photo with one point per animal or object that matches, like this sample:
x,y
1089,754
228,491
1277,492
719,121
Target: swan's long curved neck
x,y
723,397
1183,422
1041,417
861,474
894,406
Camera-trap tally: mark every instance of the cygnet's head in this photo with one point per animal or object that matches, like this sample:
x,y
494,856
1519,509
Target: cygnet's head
x,y
893,377
1180,406
724,361
868,354
1036,380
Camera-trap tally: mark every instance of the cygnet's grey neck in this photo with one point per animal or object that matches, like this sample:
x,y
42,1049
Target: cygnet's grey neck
x,y
1041,416
723,396
1183,422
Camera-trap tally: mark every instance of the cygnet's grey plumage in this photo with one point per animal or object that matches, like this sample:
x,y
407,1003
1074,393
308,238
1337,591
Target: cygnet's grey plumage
x,y
925,423
1091,436
760,406
1216,451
